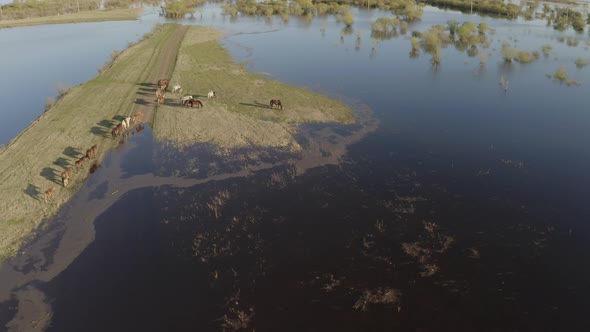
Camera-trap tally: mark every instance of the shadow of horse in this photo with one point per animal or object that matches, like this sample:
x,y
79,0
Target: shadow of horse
x,y
256,104
99,131
146,84
103,128
51,175
33,191
141,102
71,152
62,162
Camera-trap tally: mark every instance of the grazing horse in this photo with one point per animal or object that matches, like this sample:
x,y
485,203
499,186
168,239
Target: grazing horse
x,y
137,117
211,94
80,162
276,103
48,194
117,130
177,88
89,154
193,102
161,100
163,84
127,121
183,99
94,148
65,178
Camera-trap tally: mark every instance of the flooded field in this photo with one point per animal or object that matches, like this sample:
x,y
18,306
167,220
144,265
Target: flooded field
x,y
456,205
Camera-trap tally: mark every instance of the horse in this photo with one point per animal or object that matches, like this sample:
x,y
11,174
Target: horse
x,y
80,162
183,99
94,148
48,194
211,94
177,88
193,102
137,117
89,154
277,103
161,100
124,124
117,130
65,178
163,83
127,122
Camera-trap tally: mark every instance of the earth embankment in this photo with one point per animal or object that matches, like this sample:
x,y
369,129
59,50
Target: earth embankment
x,y
33,161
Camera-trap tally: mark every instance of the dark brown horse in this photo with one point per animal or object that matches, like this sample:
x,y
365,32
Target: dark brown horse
x,y
193,102
117,130
276,103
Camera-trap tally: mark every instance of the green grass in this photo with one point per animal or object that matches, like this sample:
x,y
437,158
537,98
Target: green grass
x,y
87,16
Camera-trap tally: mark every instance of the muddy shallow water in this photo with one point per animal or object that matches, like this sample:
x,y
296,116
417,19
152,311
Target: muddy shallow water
x,y
461,207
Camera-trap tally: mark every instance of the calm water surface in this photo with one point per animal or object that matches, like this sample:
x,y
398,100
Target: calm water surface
x,y
465,210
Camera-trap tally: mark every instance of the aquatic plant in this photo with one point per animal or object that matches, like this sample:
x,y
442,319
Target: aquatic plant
x,y
546,49
581,62
560,74
377,296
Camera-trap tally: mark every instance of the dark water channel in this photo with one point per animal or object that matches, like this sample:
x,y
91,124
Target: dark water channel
x,y
465,210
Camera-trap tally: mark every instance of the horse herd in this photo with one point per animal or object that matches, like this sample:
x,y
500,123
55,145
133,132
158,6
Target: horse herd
x,y
67,173
188,100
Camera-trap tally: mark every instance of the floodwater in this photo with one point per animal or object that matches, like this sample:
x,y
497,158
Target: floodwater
x,y
465,209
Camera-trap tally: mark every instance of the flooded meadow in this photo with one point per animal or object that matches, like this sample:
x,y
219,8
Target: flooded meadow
x,y
454,202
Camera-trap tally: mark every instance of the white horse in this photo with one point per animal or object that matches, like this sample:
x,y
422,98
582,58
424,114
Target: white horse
x,y
124,125
177,88
185,98
127,121
211,94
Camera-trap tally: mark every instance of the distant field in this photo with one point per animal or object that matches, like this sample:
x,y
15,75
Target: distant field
x,y
87,16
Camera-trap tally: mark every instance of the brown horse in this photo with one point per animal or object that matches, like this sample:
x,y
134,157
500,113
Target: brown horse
x,y
117,130
48,194
89,154
160,99
163,84
137,117
276,103
80,162
193,102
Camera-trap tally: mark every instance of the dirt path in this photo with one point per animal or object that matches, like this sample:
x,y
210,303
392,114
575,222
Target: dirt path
x,y
33,162
163,69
